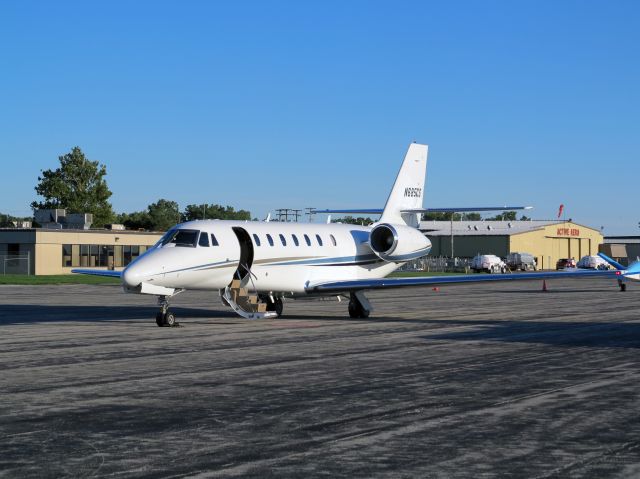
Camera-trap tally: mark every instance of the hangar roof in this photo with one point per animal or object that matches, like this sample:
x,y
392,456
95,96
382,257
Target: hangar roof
x,y
622,239
483,228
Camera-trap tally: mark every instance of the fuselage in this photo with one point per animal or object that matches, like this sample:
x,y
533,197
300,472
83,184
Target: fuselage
x,y
273,256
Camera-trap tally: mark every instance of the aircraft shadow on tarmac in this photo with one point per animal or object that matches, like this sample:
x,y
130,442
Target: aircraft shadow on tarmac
x,y
34,313
554,333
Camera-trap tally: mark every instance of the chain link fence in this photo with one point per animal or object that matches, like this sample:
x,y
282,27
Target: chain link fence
x,y
438,264
15,264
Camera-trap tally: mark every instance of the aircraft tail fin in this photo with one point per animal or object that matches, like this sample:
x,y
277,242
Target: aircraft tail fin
x,y
612,262
408,189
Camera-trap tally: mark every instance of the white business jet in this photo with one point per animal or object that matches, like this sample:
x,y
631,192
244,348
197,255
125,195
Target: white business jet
x,y
254,265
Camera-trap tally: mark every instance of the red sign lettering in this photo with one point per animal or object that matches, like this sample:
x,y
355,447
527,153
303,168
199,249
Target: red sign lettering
x,y
568,232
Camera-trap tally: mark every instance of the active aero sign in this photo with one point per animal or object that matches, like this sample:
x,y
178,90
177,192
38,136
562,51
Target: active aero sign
x,y
568,232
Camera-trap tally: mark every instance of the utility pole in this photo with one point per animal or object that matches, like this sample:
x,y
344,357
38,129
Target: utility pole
x,y
451,225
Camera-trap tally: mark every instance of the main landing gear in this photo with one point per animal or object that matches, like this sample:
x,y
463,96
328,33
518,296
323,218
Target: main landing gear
x,y
359,306
164,316
622,285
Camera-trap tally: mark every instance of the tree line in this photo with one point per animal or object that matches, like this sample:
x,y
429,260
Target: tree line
x,y
79,186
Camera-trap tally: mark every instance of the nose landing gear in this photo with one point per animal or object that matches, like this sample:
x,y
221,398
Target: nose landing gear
x,y
164,316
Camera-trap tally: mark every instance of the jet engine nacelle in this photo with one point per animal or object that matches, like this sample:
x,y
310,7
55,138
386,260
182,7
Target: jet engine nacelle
x,y
396,243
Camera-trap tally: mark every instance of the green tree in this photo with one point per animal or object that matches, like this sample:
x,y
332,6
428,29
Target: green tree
x,y
444,216
214,212
6,221
163,214
78,185
136,220
506,216
363,221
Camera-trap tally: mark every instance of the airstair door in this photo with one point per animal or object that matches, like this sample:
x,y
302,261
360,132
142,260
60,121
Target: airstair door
x,y
246,254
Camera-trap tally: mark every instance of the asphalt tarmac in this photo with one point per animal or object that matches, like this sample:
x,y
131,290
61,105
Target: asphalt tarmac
x,y
492,380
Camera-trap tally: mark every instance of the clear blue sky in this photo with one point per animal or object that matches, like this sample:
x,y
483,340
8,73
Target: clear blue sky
x,y
262,105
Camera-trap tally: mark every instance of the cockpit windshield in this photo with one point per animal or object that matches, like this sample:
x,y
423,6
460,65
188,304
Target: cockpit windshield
x,y
179,237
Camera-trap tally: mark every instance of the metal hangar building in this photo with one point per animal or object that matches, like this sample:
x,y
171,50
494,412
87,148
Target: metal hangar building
x,y
548,241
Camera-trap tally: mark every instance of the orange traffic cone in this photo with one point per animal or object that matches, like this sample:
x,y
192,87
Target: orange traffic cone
x,y
544,285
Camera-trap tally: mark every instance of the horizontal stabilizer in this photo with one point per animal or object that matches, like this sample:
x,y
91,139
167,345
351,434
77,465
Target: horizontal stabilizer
x,y
386,283
99,272
369,211
378,211
467,209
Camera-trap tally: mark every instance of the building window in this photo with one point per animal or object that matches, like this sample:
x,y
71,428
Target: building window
x,y
118,260
94,255
84,255
126,253
333,240
75,255
319,240
295,240
269,239
66,256
284,241
256,239
308,241
107,256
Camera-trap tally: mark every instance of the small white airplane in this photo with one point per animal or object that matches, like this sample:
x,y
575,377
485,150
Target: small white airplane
x,y
255,265
630,273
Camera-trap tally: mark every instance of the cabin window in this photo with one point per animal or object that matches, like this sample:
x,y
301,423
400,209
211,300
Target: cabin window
x,y
319,240
284,241
295,240
256,239
306,238
214,241
333,240
270,239
204,239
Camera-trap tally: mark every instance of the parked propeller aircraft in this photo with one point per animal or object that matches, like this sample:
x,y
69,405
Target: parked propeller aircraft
x,y
255,265
631,272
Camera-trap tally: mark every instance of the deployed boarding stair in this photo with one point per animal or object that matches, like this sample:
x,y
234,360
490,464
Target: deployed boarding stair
x,y
244,302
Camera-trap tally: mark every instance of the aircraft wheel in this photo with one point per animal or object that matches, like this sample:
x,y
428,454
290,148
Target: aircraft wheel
x,y
160,319
169,319
278,306
623,287
356,310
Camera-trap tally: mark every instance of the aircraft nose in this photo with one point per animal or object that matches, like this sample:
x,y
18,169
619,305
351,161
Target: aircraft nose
x,y
131,276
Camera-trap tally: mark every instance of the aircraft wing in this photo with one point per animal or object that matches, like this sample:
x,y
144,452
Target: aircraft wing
x,y
99,272
386,283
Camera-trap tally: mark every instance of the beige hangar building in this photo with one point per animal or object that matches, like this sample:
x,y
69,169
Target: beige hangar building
x,y
42,251
548,241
